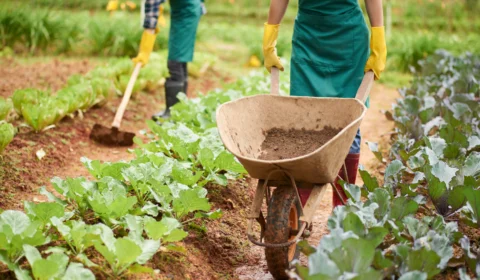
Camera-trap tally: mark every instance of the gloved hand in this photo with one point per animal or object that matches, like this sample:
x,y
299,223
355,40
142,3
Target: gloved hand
x,y
161,22
270,35
146,47
112,5
378,52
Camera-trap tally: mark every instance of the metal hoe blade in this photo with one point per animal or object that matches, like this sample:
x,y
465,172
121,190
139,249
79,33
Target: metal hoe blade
x,y
111,136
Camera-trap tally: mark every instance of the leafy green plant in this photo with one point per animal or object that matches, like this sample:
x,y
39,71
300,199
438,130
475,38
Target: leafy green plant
x,y
18,230
433,172
6,135
122,253
6,107
54,266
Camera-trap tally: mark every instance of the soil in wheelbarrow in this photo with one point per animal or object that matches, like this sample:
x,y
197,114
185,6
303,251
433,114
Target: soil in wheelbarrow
x,y
284,144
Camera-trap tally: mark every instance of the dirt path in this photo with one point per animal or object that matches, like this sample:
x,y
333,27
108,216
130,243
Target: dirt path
x,y
374,129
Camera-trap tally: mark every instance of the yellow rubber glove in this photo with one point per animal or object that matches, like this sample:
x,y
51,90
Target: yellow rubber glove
x,y
146,47
131,5
112,5
161,19
378,52
270,35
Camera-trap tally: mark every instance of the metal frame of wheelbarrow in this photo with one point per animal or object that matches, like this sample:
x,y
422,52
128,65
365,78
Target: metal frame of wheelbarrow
x,y
307,211
318,190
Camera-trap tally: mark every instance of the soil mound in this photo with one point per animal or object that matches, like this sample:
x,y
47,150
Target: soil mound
x,y
283,144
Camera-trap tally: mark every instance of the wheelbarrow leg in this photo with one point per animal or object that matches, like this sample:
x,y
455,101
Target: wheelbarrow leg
x,y
255,212
312,203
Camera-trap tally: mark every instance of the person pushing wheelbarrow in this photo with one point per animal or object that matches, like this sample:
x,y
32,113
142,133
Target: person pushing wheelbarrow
x,y
330,54
185,16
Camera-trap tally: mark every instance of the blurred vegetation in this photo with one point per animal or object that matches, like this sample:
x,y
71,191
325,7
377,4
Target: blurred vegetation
x,y
415,28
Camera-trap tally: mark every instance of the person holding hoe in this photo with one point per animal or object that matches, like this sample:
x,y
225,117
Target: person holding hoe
x,y
185,16
331,51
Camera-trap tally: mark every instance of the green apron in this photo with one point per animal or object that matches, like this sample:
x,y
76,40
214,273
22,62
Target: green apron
x,y
330,47
184,18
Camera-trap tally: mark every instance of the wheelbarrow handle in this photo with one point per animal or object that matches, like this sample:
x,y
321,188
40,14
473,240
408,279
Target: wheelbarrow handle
x,y
364,89
275,81
362,93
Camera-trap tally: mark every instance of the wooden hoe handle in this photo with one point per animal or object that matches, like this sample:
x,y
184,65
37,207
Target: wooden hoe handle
x,y
364,89
275,77
126,97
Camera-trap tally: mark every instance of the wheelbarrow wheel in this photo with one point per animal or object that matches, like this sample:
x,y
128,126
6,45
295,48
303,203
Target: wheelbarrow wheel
x,y
283,223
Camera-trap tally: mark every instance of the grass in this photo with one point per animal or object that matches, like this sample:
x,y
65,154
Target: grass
x,y
395,79
67,28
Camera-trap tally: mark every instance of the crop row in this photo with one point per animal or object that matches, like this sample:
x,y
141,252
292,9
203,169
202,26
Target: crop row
x,y
113,225
41,109
410,226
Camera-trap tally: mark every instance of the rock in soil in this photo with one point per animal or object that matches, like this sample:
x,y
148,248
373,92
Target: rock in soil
x,y
283,144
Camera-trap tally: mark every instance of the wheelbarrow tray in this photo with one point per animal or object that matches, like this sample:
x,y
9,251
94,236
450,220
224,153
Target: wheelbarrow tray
x,y
243,124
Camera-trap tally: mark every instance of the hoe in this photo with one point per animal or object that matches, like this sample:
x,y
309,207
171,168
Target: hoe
x,y
112,136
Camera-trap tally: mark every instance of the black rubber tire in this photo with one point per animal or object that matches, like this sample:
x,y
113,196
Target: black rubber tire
x,y
278,230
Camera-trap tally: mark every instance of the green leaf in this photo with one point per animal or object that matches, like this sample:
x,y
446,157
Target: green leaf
x,y
22,274
436,189
16,220
206,158
139,269
437,145
380,261
472,165
157,230
353,192
319,263
451,135
374,148
473,142
473,197
369,181
305,248
369,275
85,260
126,251
227,162
443,172
414,275
456,198
423,260
44,211
76,271
376,235
394,168
353,223
217,214
185,176
51,197
219,179
149,248
382,198
355,255
401,207
31,253
175,248
105,252
135,226
175,235
189,201
45,269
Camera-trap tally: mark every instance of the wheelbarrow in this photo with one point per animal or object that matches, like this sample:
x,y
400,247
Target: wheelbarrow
x,y
242,125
